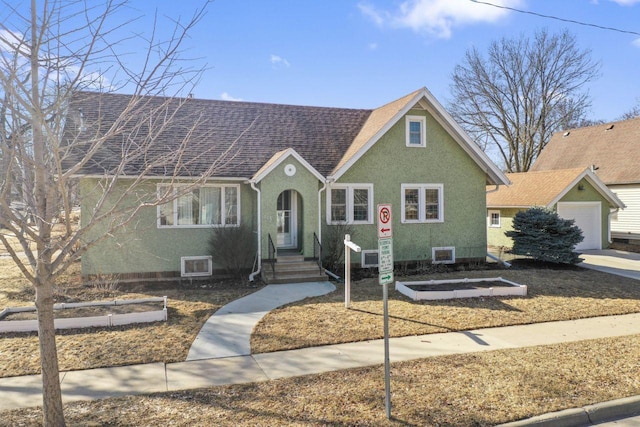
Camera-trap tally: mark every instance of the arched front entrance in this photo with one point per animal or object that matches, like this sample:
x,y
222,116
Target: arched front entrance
x,y
288,219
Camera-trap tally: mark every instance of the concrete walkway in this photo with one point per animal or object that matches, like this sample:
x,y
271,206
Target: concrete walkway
x,y
621,263
228,332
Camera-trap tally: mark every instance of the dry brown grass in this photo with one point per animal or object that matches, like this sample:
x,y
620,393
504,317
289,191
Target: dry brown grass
x,y
475,389
480,389
188,308
553,294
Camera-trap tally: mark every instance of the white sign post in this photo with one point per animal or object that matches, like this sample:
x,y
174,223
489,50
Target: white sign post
x,y
385,276
348,247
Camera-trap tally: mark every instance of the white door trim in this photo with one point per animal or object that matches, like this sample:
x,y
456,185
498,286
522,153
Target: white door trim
x,y
289,240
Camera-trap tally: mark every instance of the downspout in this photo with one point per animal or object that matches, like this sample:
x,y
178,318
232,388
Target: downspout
x,y
611,212
324,187
259,268
494,190
493,257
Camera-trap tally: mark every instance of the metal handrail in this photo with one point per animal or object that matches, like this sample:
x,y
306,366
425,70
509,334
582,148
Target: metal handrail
x,y
317,251
272,255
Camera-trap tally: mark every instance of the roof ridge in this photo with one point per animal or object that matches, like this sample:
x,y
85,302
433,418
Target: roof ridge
x,y
548,171
227,102
615,122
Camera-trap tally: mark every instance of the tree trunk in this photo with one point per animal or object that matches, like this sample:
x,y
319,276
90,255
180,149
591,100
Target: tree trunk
x,y
51,392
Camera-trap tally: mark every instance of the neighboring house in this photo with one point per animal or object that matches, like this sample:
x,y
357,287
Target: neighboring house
x,y
292,173
576,194
613,151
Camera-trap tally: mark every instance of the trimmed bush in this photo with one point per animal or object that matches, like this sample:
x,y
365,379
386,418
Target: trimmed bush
x,y
233,248
544,236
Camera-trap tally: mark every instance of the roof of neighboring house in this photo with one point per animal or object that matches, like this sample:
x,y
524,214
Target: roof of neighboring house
x,y
240,139
613,148
544,188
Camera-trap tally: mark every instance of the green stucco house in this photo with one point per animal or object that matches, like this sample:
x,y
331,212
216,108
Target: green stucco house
x,y
290,173
576,194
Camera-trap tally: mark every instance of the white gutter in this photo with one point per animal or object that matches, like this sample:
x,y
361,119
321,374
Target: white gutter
x,y
253,275
611,212
324,187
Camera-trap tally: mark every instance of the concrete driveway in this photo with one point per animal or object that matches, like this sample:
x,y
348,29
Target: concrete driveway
x,y
626,264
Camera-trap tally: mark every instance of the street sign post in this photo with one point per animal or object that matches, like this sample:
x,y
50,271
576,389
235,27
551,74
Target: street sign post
x,y
385,276
385,260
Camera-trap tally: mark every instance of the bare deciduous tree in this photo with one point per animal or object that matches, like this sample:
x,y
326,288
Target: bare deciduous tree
x,y
523,91
632,113
48,53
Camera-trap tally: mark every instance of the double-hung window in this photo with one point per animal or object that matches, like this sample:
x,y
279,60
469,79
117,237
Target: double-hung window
x,y
422,203
205,206
352,204
494,219
416,131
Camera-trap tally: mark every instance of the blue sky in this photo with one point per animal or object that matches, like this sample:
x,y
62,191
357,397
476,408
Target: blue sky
x,y
365,53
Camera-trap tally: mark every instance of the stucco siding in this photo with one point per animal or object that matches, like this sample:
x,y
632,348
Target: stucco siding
x,y
495,235
140,246
307,186
390,163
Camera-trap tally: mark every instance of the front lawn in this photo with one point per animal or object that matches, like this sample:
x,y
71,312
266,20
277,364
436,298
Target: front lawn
x,y
479,389
553,294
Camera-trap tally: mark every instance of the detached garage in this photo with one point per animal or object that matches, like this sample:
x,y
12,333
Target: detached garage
x,y
576,194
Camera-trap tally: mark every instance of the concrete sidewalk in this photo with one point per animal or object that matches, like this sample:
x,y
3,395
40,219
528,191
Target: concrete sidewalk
x,y
100,383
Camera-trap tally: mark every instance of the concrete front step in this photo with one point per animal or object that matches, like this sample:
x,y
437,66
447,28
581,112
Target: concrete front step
x,y
293,269
294,279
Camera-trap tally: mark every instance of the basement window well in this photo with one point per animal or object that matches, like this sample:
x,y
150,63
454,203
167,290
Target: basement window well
x,y
196,266
444,255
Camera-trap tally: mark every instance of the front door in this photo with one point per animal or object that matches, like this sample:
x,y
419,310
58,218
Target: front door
x,y
287,220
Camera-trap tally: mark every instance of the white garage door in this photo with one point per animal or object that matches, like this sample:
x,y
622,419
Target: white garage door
x,y
587,217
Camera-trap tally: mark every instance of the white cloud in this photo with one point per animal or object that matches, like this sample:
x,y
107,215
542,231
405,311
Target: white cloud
x,y
278,61
226,97
11,41
439,17
636,42
372,46
377,16
626,2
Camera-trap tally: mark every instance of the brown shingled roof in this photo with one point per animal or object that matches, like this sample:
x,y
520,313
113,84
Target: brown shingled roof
x,y
543,188
321,135
239,138
614,148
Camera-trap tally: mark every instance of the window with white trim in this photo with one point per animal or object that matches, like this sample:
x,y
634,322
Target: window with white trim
x,y
369,258
494,219
422,203
443,255
351,204
416,131
193,266
205,206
